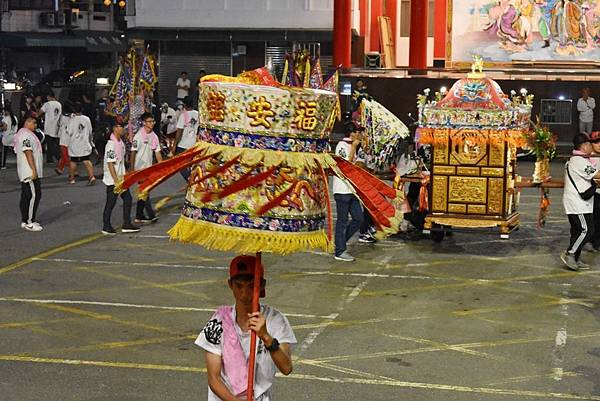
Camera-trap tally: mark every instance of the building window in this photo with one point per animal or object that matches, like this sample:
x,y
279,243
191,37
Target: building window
x,y
31,5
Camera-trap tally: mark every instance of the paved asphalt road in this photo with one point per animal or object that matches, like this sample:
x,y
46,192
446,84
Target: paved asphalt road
x,y
473,318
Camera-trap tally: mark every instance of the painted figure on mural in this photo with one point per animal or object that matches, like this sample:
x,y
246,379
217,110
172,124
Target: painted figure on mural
x,y
534,30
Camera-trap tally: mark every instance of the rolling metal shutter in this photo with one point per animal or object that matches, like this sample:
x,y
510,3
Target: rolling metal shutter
x,y
171,66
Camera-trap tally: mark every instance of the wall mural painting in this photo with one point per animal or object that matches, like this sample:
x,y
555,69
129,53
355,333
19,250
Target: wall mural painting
x,y
525,30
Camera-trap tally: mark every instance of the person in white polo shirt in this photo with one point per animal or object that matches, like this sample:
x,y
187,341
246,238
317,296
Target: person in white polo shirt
x,y
183,86
585,106
51,111
187,133
114,171
28,148
144,147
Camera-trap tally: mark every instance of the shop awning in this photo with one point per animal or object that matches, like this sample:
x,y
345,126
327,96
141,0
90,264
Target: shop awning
x,y
12,40
97,41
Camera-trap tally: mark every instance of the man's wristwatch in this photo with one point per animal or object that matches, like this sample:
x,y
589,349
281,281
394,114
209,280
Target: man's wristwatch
x,y
274,345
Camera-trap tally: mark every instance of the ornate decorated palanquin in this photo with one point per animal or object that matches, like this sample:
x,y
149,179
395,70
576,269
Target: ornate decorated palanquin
x,y
474,132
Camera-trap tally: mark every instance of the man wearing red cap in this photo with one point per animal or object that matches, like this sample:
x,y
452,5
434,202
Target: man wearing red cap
x,y
226,339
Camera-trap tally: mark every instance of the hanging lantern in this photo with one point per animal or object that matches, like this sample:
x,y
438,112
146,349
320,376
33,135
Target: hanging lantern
x,y
107,3
122,3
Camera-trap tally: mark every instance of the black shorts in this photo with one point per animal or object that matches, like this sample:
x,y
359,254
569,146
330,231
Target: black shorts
x,y
78,159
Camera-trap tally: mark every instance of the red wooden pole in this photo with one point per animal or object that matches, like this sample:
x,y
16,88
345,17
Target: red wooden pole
x,y
376,11
439,31
342,33
391,10
252,357
417,56
364,14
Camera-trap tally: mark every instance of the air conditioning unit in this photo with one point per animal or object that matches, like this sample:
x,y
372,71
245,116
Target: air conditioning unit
x,y
48,19
373,60
60,19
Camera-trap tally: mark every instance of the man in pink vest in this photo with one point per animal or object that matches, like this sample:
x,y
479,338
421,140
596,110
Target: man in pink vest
x,y
226,340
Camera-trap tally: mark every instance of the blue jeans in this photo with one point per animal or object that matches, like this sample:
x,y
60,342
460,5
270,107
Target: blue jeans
x,y
346,203
186,172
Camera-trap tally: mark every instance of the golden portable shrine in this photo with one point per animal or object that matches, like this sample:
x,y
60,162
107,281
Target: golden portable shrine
x,y
474,130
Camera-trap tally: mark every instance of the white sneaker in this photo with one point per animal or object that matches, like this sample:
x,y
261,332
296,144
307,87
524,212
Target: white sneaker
x,y
33,227
23,225
345,257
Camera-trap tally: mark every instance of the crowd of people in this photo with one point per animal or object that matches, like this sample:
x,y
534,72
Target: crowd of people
x,y
73,133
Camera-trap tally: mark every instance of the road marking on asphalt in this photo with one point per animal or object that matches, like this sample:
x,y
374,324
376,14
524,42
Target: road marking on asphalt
x,y
79,362
150,236
127,263
152,284
312,336
308,273
368,275
297,376
119,289
490,344
51,252
102,317
456,348
128,305
506,241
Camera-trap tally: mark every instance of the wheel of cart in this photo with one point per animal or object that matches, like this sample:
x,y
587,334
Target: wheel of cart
x,y
437,232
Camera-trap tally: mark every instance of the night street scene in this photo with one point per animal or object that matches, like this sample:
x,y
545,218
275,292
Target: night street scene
x,y
383,200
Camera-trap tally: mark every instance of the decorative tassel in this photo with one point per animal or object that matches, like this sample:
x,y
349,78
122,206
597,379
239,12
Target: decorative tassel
x,y
424,194
284,76
243,240
328,201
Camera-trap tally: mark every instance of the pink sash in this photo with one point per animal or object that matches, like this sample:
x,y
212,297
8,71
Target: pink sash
x,y
235,364
20,133
119,147
153,138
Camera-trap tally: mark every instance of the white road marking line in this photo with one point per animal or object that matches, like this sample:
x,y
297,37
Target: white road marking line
x,y
139,306
145,264
370,275
508,240
150,236
308,273
312,336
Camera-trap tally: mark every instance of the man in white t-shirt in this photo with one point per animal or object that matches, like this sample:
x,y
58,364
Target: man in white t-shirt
x,y
81,144
183,86
114,171
579,173
51,111
585,106
187,133
226,340
144,147
345,200
28,148
63,139
168,123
